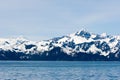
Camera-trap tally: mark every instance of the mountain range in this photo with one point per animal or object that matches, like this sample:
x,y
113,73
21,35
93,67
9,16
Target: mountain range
x,y
78,46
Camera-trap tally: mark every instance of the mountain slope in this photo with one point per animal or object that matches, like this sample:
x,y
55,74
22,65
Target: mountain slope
x,y
81,46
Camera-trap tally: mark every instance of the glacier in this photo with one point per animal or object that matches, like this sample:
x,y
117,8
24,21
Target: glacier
x,y
78,46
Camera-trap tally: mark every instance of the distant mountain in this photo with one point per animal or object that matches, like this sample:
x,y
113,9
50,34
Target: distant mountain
x,y
79,46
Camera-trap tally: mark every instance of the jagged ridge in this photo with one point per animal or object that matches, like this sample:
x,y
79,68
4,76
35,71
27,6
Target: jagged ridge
x,y
81,45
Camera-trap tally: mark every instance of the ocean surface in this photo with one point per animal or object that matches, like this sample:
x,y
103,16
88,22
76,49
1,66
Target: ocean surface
x,y
59,70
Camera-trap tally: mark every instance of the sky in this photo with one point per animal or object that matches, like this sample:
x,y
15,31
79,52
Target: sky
x,y
45,19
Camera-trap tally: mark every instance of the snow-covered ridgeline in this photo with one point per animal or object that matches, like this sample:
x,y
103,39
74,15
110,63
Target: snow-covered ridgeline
x,y
81,41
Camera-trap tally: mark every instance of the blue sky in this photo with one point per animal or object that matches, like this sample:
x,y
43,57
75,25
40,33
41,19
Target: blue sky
x,y
45,19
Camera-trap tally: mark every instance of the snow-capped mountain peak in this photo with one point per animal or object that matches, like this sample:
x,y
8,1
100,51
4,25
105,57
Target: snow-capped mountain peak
x,y
103,34
83,33
78,42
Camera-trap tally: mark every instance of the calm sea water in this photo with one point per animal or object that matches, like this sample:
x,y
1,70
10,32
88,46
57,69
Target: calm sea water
x,y
59,70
